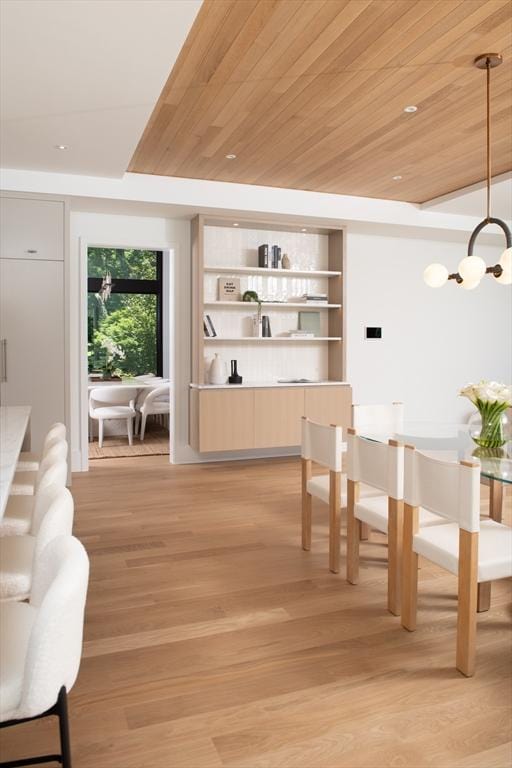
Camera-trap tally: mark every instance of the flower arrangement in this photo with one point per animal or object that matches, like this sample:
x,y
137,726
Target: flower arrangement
x,y
492,400
113,353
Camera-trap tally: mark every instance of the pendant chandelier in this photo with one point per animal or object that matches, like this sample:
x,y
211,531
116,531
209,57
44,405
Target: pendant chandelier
x,y
472,268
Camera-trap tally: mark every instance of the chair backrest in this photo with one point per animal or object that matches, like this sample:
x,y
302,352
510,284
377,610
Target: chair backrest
x,y
448,488
105,396
57,453
322,444
56,432
380,465
56,473
54,516
378,418
59,588
160,393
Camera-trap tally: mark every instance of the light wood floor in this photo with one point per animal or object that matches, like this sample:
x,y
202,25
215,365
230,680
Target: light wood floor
x,y
212,640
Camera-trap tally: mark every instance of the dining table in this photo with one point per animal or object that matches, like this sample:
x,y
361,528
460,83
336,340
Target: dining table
x,y
14,438
453,442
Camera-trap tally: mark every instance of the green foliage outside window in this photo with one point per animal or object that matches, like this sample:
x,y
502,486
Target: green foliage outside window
x,y
129,320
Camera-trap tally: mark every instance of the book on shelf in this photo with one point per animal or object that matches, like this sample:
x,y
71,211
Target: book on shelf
x,y
310,298
206,330
301,335
276,257
210,326
263,255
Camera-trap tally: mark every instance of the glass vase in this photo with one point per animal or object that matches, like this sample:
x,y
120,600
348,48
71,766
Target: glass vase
x,y
490,427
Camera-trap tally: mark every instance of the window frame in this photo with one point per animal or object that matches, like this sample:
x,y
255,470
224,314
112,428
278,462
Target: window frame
x,y
139,286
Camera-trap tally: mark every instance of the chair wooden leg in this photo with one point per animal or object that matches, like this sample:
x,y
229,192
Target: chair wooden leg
x,y
334,521
484,597
100,433
353,534
466,615
364,531
409,569
395,535
306,506
495,513
129,424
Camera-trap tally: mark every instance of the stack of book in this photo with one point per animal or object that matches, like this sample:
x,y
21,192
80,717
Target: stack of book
x,y
301,334
312,298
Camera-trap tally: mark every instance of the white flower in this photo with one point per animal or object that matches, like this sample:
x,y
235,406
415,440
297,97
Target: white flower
x,y
488,392
113,349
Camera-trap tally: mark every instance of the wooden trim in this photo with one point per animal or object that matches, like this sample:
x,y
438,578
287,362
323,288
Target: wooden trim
x,y
409,568
353,533
395,545
395,443
196,233
334,520
466,615
306,504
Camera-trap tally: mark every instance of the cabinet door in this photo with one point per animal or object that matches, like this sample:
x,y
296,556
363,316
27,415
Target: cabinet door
x,y
329,405
32,325
31,229
226,419
277,415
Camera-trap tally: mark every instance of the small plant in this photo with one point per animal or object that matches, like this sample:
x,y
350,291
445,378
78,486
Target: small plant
x,y
113,353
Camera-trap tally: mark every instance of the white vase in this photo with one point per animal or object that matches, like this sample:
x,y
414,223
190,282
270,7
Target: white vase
x,y
218,372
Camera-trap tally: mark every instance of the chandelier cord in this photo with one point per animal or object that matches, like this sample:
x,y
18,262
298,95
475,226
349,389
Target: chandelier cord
x,y
488,72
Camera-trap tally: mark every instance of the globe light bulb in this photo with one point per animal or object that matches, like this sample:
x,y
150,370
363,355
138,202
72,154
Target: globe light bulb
x,y
472,268
506,260
469,285
506,276
435,275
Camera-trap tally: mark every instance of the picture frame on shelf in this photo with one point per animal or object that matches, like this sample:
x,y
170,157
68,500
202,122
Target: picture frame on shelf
x,y
229,289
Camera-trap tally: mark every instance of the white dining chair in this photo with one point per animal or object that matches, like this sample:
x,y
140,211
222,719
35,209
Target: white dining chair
x,y
113,403
26,483
155,402
379,418
29,461
381,467
18,554
322,444
476,551
20,510
41,643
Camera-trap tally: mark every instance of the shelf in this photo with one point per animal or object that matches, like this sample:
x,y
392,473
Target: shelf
x,y
268,339
273,304
273,272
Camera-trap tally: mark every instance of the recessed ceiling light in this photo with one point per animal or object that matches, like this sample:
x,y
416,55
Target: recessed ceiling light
x,y
230,157
411,108
60,146
303,230
396,178
235,224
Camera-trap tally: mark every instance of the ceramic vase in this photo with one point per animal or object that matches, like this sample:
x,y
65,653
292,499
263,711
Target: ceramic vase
x,y
218,372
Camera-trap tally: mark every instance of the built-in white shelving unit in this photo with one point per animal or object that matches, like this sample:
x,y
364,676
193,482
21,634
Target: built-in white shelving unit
x,y
222,250
284,377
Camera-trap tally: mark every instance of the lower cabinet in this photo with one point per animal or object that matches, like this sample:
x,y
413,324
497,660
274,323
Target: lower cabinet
x,y
263,417
277,414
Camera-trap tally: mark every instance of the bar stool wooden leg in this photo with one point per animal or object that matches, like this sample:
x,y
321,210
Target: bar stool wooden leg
x,y
334,520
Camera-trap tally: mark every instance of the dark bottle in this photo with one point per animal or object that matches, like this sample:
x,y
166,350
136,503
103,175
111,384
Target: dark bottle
x,y
234,378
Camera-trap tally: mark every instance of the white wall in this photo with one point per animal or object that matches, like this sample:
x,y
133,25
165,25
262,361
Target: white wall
x,y
433,340
137,232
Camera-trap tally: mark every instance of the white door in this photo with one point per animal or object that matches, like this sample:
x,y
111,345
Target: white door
x,y
32,333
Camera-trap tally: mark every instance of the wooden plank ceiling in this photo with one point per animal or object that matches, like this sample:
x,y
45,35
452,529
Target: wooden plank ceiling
x,y
309,94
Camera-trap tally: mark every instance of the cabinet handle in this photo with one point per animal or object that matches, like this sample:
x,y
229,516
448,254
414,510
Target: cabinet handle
x,y
3,377
31,250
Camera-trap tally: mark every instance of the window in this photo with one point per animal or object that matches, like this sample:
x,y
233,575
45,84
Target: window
x,y
131,316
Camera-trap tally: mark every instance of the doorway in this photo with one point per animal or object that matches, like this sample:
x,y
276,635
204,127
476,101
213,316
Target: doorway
x,y
128,343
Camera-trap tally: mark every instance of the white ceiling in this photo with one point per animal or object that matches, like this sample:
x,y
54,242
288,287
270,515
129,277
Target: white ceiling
x,y
84,73
472,201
